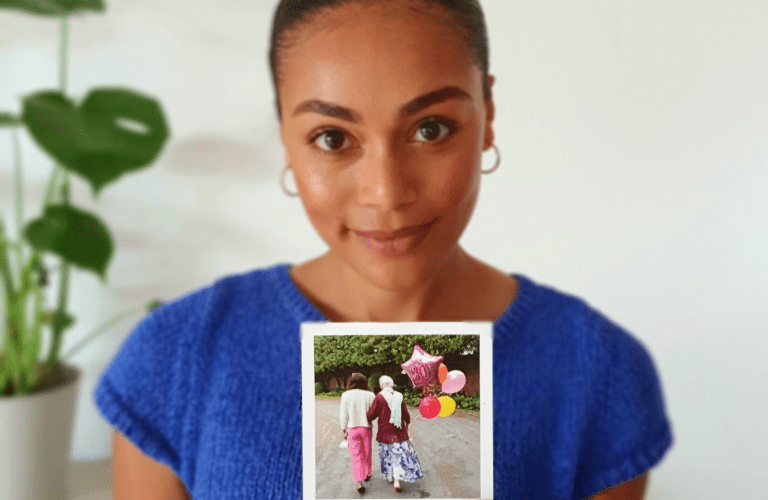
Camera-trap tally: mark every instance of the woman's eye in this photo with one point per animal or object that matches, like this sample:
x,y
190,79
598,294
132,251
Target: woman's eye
x,y
330,140
431,131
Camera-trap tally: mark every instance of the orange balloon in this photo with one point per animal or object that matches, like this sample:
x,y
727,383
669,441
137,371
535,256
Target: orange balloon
x,y
442,372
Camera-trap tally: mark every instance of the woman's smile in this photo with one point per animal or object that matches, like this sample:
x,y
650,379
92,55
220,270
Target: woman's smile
x,y
395,243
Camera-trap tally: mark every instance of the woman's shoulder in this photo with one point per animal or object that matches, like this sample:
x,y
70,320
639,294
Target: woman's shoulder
x,y
543,315
263,279
379,400
536,302
357,394
263,292
560,349
189,327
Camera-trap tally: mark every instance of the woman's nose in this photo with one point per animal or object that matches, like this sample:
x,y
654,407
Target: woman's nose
x,y
384,180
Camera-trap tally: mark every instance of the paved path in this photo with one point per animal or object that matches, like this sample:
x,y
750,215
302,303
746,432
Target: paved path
x,y
448,450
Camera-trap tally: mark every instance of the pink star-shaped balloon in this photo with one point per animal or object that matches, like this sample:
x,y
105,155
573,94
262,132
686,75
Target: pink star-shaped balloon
x,y
422,367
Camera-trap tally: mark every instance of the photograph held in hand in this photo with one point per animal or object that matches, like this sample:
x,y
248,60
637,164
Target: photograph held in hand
x,y
411,403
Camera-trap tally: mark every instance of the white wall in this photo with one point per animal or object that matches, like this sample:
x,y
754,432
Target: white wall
x,y
634,138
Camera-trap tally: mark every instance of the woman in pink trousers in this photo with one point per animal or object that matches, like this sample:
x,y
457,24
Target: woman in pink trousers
x,y
355,403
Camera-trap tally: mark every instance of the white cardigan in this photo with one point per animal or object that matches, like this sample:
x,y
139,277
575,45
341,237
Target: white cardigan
x,y
354,408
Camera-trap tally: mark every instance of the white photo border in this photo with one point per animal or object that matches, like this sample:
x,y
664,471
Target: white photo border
x,y
311,330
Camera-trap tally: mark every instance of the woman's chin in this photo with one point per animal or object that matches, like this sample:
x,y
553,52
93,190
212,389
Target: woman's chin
x,y
407,270
395,275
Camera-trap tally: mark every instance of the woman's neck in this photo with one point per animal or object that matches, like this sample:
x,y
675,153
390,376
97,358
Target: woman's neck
x,y
462,289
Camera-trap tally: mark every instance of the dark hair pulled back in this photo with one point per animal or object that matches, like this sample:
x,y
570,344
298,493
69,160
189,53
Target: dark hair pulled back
x,y
357,381
468,15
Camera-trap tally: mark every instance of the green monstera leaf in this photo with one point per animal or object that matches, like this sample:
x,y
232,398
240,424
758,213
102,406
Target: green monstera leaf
x,y
52,7
113,131
73,234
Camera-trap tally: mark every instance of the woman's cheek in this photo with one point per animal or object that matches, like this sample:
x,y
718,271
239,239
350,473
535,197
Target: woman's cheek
x,y
458,182
316,184
317,196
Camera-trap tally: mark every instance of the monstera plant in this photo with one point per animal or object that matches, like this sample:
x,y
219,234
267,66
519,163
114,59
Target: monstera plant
x,y
108,133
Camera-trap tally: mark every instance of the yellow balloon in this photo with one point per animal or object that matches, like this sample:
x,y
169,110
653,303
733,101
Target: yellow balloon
x,y
447,405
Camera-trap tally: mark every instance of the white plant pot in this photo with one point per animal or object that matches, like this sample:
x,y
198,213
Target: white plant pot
x,y
36,439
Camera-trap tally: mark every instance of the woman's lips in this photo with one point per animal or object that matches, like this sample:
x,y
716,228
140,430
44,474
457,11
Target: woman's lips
x,y
394,243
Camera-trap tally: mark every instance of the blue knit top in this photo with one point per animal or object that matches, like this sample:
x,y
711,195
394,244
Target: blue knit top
x,y
210,385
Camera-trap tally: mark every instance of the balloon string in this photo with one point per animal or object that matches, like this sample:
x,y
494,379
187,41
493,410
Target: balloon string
x,y
433,391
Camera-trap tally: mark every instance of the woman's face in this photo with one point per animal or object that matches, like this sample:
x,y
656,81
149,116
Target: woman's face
x,y
384,123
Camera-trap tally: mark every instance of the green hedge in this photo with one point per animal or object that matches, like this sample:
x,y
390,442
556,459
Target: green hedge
x,y
336,393
373,381
413,398
463,402
467,402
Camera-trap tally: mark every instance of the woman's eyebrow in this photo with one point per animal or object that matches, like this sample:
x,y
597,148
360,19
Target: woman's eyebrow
x,y
327,108
424,101
411,107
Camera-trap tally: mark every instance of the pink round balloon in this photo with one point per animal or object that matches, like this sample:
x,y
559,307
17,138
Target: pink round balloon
x,y
454,381
429,407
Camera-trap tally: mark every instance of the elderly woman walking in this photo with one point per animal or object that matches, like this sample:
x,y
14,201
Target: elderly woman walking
x,y
355,403
398,457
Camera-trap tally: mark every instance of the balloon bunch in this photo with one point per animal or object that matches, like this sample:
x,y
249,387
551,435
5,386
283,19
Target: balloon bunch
x,y
427,371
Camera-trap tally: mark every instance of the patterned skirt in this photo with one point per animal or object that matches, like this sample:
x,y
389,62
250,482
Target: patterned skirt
x,y
399,460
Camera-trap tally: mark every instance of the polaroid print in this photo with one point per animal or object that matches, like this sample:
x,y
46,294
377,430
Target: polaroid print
x,y
436,419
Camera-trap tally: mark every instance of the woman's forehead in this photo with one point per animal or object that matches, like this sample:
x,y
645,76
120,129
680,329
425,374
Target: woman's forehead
x,y
371,55
352,12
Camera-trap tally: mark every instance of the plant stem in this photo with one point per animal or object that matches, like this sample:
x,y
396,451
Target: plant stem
x,y
19,196
51,186
9,332
53,355
5,269
101,329
58,326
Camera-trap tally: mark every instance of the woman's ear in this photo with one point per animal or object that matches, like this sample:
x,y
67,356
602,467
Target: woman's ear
x,y
490,111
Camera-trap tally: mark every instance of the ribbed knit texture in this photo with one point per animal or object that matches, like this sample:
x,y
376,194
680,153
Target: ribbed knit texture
x,y
210,384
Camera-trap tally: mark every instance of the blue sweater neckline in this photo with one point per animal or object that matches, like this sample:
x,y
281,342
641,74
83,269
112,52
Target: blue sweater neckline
x,y
303,310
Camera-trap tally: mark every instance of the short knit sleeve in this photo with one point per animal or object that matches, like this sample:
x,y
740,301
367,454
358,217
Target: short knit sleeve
x,y
628,431
146,390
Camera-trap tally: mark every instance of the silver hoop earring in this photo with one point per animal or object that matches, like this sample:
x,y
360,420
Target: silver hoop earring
x,y
282,183
495,165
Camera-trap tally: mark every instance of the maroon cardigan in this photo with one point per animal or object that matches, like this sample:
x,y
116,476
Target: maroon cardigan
x,y
388,433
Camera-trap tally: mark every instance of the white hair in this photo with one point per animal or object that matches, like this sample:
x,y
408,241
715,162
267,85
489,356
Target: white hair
x,y
386,381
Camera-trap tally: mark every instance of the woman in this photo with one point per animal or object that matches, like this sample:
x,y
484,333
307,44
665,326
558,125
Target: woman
x,y
353,413
385,110
398,458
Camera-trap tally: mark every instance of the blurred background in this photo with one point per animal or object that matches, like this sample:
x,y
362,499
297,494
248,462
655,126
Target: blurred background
x,y
634,143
